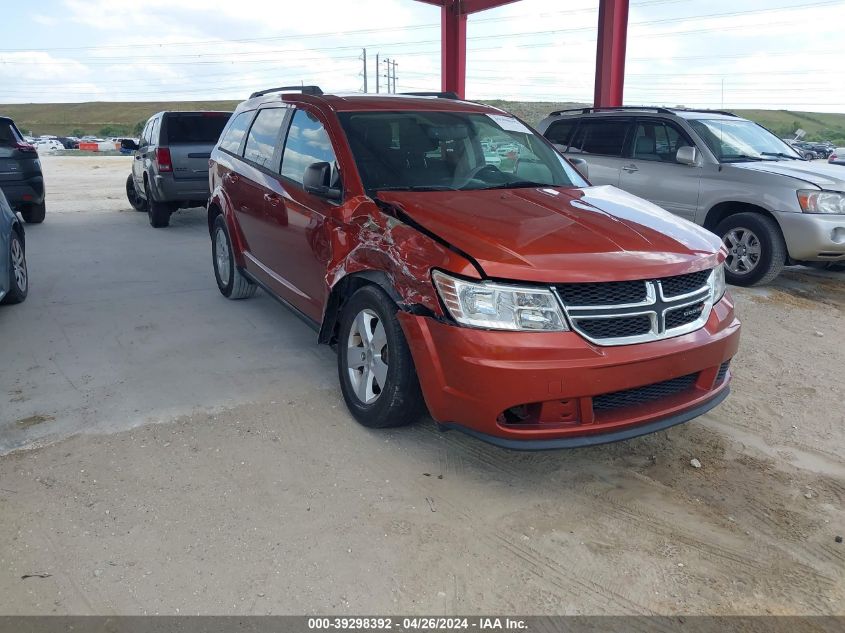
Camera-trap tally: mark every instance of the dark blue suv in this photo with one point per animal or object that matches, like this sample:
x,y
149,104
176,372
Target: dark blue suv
x,y
20,173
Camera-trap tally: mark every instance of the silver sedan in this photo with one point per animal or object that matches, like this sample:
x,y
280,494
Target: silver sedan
x,y
14,281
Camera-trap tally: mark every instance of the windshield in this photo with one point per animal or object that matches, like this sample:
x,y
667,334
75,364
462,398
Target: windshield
x,y
435,151
732,140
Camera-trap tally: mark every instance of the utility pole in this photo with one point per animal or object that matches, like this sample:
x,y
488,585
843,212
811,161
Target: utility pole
x,y
387,73
378,71
364,57
394,76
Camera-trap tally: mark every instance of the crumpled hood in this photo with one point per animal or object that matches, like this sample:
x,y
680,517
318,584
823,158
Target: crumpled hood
x,y
823,175
558,234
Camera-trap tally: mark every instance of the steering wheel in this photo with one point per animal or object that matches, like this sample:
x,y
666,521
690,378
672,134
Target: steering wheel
x,y
475,173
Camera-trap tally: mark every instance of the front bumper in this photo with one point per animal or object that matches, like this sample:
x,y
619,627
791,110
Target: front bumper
x,y
476,379
813,236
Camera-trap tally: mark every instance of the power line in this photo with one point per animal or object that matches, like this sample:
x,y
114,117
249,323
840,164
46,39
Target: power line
x,y
228,55
414,27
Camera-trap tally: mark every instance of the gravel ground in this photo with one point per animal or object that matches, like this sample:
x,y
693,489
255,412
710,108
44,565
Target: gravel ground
x,y
172,452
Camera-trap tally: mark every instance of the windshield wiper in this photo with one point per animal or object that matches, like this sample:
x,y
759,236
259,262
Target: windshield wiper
x,y
514,184
780,155
740,157
415,188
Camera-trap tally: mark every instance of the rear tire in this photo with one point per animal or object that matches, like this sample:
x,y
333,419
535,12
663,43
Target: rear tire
x,y
756,250
157,212
231,282
34,213
377,375
135,199
18,275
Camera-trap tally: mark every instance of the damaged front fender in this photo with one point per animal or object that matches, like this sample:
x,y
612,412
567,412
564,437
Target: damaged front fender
x,y
373,244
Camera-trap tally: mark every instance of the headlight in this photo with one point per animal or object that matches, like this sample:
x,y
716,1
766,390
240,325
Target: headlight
x,y
719,286
499,306
821,201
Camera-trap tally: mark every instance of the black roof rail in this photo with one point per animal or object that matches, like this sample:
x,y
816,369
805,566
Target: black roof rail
x,y
612,109
306,90
658,109
725,112
439,95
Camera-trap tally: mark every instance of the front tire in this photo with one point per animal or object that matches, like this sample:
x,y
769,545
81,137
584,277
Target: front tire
x,y
34,213
230,281
377,375
135,199
756,250
18,275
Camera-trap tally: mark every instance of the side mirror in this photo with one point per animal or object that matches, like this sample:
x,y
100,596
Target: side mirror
x,y
581,166
128,143
317,181
687,155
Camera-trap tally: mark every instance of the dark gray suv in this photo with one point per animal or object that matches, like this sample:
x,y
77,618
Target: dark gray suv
x,y
170,166
20,173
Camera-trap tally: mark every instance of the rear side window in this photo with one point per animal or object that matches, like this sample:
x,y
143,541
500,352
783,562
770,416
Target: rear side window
x,y
560,132
234,136
263,135
601,136
201,127
307,143
7,134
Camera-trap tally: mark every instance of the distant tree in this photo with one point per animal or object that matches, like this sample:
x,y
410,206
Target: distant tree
x,y
112,130
139,127
77,132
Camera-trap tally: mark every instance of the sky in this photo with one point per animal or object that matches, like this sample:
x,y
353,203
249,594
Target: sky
x,y
773,54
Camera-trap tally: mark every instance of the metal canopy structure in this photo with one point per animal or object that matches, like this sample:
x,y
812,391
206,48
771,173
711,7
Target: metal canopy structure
x,y
610,47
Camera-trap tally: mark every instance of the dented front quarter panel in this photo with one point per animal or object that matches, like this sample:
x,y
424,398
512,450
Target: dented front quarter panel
x,y
367,238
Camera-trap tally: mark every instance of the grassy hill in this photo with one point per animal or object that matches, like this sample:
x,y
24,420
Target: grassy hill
x,y
117,118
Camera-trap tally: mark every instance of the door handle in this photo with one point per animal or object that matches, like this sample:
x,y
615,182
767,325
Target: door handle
x,y
273,199
630,168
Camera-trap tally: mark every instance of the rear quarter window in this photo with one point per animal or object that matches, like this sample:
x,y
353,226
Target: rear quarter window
x,y
234,135
8,136
202,127
560,132
263,136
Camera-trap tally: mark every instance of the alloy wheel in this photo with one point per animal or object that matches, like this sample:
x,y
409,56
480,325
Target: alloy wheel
x,y
221,256
744,250
19,265
366,356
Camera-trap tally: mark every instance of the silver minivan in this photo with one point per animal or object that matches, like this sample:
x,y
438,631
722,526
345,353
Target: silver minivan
x,y
726,173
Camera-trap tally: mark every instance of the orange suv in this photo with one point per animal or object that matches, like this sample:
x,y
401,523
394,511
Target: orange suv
x,y
460,265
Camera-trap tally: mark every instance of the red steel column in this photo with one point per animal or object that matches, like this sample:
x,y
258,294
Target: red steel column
x,y
453,49
610,52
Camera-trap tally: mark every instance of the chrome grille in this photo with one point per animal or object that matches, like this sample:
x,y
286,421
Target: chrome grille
x,y
624,313
612,292
684,284
615,328
682,316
